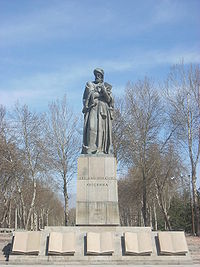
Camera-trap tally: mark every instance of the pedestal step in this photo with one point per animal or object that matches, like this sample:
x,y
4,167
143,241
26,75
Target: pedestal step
x,y
106,245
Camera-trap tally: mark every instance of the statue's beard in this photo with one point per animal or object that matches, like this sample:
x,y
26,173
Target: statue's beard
x,y
99,80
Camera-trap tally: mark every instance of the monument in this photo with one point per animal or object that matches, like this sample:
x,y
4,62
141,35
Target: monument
x,y
97,196
98,107
97,237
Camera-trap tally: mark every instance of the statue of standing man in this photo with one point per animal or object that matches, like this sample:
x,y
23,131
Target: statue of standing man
x,y
98,107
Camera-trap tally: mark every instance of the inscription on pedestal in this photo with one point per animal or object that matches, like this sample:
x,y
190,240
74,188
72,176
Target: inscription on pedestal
x,y
97,198
95,184
96,178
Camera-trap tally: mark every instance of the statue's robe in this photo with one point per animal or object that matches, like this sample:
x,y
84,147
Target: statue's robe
x,y
97,109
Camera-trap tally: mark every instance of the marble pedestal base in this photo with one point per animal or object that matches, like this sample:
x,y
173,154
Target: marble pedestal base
x,y
118,257
97,195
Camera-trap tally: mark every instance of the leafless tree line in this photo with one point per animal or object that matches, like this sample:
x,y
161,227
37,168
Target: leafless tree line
x,y
157,136
37,156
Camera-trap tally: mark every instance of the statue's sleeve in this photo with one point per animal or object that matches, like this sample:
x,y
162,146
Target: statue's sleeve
x,y
111,101
86,95
107,93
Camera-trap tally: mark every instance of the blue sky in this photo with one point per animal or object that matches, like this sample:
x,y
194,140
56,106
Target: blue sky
x,y
49,48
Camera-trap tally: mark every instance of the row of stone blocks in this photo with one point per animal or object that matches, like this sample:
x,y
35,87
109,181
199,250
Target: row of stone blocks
x,y
105,244
172,243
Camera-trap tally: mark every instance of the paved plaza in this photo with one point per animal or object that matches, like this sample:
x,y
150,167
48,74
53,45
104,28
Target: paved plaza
x,y
66,265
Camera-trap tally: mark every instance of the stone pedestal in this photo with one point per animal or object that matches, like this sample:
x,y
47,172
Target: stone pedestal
x,y
118,257
97,195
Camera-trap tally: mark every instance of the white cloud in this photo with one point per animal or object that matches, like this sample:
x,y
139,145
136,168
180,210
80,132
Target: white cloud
x,y
66,19
174,56
10,97
70,79
157,57
48,85
41,87
72,19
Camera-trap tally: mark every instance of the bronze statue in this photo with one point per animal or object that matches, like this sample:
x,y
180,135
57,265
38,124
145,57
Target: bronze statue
x,y
98,107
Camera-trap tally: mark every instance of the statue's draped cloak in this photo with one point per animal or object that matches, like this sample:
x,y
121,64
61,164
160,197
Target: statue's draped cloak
x,y
97,109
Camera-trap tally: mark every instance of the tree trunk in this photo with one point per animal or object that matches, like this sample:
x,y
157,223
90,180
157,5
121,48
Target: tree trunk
x,y
166,217
42,219
35,217
138,218
195,202
6,213
155,217
15,218
19,213
66,211
150,217
23,208
142,220
32,222
163,209
47,217
32,205
144,199
9,215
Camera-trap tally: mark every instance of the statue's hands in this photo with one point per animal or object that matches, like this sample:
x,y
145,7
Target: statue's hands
x,y
84,110
96,94
93,105
103,89
106,93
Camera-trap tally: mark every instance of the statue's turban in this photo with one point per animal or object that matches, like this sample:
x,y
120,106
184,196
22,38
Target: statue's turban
x,y
98,70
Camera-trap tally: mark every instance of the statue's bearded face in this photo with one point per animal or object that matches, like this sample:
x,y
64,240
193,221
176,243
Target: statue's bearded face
x,y
98,77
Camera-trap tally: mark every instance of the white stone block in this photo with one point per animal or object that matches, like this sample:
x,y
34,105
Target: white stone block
x,y
97,194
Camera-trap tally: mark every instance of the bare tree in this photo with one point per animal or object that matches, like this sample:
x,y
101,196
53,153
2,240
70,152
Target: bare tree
x,y
48,206
166,169
7,170
130,199
141,127
183,96
118,125
63,145
28,128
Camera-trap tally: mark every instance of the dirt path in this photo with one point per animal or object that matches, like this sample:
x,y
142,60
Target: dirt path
x,y
194,247
5,245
